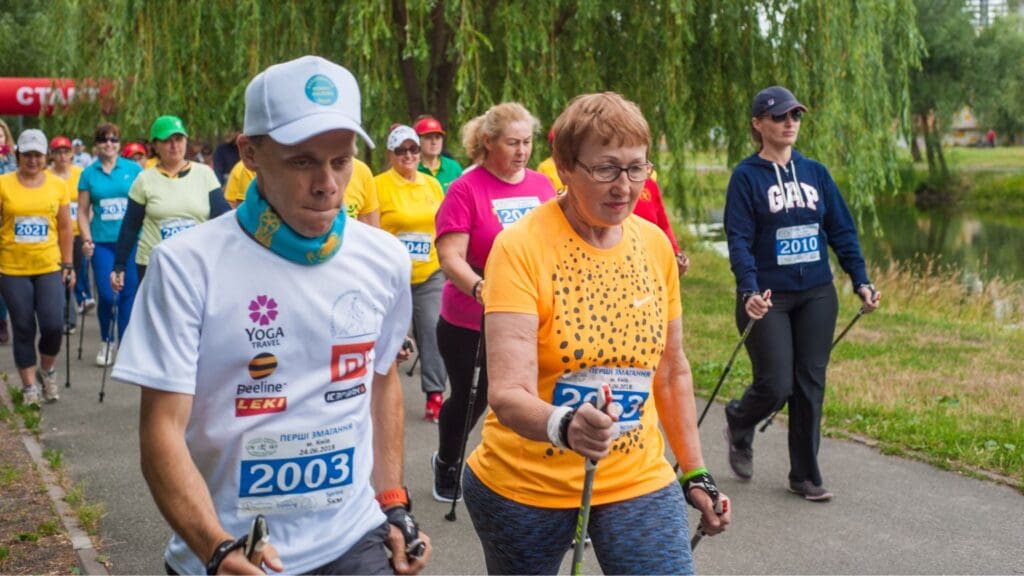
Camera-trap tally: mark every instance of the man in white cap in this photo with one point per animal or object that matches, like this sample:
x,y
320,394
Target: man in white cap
x,y
263,389
79,156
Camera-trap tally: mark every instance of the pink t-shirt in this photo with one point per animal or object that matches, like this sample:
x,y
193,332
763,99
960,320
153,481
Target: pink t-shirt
x,y
481,205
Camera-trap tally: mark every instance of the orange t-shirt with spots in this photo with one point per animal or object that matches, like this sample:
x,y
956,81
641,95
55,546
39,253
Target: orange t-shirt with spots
x,y
602,317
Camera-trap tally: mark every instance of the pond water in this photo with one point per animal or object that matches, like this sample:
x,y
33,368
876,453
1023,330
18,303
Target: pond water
x,y
982,246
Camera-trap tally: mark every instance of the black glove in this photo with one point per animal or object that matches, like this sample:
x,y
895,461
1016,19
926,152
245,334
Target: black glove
x,y
400,518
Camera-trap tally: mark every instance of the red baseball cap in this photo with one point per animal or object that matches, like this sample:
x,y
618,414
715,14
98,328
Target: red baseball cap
x,y
429,126
60,142
133,148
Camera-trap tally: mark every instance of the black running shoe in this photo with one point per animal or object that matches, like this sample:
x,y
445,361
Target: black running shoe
x,y
445,480
741,460
809,491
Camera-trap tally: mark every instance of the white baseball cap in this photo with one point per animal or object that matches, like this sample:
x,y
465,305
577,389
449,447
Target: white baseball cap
x,y
296,100
400,134
32,140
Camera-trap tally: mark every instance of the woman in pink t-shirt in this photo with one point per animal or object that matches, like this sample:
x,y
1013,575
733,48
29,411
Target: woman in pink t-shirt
x,y
478,206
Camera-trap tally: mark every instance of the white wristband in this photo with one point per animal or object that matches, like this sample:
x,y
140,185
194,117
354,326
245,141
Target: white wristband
x,y
554,423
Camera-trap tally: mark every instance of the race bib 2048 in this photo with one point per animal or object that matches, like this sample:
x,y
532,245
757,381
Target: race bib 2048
x,y
418,244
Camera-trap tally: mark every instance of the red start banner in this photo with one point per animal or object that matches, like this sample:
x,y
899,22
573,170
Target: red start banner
x,y
32,96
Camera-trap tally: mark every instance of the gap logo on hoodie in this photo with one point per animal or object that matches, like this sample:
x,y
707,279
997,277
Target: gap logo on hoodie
x,y
792,197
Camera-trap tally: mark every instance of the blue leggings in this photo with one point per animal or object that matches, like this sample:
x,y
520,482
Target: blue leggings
x,y
643,535
102,266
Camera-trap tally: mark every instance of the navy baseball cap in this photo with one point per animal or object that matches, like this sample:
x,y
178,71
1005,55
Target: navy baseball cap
x,y
774,101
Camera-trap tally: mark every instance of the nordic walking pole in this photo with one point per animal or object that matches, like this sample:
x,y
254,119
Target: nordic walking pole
x,y
473,388
85,309
721,507
413,367
728,367
67,335
106,350
863,310
604,398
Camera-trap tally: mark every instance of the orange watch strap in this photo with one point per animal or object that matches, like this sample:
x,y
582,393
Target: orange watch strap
x,y
392,497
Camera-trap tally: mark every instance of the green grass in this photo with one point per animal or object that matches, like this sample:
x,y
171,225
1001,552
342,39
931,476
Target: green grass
x,y
939,383
9,474
54,457
89,515
1004,158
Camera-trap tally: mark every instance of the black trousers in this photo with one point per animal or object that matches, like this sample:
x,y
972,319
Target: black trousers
x,y
35,302
458,348
789,350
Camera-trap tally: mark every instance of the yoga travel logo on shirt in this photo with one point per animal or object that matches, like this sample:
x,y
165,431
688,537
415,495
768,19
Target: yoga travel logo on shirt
x,y
263,313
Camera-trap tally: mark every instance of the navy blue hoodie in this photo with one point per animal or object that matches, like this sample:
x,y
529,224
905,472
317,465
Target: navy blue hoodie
x,y
778,240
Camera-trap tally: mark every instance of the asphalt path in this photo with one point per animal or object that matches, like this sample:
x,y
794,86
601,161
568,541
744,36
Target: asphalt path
x,y
889,516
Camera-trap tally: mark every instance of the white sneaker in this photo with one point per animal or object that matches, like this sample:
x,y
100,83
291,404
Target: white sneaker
x,y
105,357
50,388
30,395
87,304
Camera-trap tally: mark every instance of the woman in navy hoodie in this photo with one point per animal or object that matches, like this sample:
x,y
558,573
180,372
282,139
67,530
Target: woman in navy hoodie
x,y
782,212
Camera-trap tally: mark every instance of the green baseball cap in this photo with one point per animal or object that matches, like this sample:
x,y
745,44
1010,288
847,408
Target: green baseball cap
x,y
166,126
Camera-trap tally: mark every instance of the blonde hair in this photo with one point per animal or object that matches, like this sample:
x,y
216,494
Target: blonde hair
x,y
7,132
607,116
489,126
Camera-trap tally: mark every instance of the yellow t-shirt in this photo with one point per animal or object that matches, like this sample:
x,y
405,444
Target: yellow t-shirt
x,y
361,192
150,162
238,183
547,168
76,173
407,210
602,317
28,225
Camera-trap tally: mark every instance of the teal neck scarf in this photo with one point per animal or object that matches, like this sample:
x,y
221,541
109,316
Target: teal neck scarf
x,y
260,221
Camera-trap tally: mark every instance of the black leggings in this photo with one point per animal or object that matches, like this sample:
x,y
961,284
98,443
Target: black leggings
x,y
30,298
458,348
789,350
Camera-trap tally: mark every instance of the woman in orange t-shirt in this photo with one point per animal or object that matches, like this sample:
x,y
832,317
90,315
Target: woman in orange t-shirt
x,y
580,293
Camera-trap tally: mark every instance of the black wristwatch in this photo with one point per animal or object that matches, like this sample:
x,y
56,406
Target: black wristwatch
x,y
563,427
223,549
704,482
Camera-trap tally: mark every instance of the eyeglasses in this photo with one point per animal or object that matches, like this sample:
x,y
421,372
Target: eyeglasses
x,y
404,151
610,172
796,115
105,139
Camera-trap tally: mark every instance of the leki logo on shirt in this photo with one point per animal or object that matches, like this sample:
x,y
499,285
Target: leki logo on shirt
x,y
349,361
263,310
254,406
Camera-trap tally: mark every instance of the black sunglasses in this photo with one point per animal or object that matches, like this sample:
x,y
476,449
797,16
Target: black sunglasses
x,y
403,151
105,139
796,115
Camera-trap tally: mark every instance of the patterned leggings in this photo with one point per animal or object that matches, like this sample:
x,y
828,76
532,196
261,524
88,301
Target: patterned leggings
x,y
644,535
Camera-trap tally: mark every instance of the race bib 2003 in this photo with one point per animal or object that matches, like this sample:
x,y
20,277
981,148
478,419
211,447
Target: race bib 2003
x,y
291,471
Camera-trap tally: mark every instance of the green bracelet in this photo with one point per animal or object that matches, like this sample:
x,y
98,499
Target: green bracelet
x,y
693,474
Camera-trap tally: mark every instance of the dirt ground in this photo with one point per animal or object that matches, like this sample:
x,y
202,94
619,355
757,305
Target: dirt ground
x,y
32,538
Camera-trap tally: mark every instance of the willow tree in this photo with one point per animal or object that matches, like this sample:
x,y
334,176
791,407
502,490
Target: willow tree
x,y
693,66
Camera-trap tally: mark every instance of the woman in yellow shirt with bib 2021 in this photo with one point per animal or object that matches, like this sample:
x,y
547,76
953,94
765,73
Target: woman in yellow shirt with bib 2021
x,y
409,201
36,237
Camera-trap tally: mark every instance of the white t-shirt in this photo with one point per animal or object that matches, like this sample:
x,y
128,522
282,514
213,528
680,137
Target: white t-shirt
x,y
280,358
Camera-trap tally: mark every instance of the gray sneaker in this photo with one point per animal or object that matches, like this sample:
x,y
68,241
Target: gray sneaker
x,y
446,486
741,460
30,395
809,491
49,381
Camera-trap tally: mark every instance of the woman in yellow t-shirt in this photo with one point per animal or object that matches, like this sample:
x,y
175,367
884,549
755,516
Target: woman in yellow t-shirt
x,y
62,167
409,201
581,293
35,258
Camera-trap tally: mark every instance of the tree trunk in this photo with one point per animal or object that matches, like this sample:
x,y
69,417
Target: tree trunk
x,y
915,149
